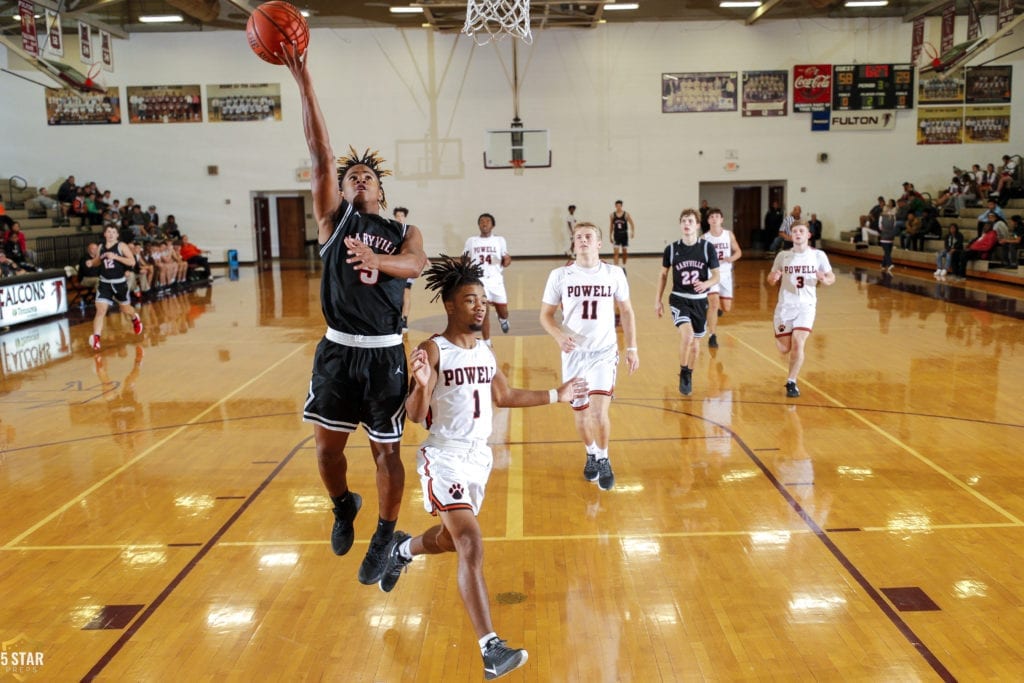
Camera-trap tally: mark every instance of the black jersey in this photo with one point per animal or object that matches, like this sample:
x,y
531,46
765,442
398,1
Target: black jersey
x,y
357,300
620,223
111,270
689,264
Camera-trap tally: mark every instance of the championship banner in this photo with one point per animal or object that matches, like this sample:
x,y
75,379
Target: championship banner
x,y
29,39
973,22
917,40
84,43
948,26
54,36
851,121
812,87
107,51
940,125
987,124
1005,15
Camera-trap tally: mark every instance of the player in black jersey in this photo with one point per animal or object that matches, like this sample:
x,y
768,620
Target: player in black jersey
x,y
620,224
114,260
359,371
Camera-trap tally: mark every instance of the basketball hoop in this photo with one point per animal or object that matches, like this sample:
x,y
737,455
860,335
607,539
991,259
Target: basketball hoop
x,y
90,76
517,165
490,19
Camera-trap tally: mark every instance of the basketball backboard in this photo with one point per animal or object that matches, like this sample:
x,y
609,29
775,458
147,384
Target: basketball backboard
x,y
517,148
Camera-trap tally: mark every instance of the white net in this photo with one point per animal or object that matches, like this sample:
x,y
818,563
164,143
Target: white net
x,y
490,19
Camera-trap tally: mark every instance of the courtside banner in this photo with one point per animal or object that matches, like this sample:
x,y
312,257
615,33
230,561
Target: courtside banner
x,y
34,346
812,87
862,120
24,299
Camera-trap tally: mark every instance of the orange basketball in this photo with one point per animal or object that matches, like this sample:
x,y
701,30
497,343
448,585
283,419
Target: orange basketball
x,y
273,23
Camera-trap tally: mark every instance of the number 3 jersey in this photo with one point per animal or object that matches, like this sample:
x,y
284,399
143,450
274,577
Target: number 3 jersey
x,y
799,284
689,263
460,407
587,297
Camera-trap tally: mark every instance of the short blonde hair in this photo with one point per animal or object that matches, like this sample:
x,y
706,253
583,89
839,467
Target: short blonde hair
x,y
588,225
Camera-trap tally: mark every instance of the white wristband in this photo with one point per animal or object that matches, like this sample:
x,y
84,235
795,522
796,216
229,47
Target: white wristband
x,y
552,395
630,348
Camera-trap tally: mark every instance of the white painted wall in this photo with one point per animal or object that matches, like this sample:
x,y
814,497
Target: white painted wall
x,y
598,91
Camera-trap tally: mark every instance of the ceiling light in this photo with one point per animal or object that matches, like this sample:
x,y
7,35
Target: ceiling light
x,y
161,19
406,10
304,13
621,6
867,3
740,3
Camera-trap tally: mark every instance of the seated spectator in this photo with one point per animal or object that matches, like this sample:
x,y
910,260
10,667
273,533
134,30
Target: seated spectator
x,y
1007,174
16,249
930,226
869,221
993,208
952,247
9,268
89,276
1010,246
986,179
152,216
92,210
170,228
814,225
180,264
5,220
951,195
980,248
143,270
915,200
43,201
78,208
199,265
784,240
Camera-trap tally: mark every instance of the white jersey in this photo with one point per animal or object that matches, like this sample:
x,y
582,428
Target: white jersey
x,y
488,252
587,297
723,247
460,407
800,276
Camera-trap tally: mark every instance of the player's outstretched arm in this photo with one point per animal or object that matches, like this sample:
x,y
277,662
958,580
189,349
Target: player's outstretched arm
x,y
508,397
422,378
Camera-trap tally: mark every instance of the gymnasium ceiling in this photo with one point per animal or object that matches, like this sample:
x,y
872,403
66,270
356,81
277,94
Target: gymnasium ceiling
x,y
120,17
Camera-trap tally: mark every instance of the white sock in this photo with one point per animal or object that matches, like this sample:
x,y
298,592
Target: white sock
x,y
405,549
592,449
486,639
602,454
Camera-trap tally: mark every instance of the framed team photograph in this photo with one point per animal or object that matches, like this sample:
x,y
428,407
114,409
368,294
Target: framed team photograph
x,y
940,125
941,88
765,93
699,92
164,104
989,84
67,107
243,102
987,124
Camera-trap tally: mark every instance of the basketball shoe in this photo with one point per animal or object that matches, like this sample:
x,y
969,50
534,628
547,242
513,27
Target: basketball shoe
x,y
713,341
590,469
605,476
372,568
137,325
499,659
394,563
94,342
791,390
504,325
685,381
343,533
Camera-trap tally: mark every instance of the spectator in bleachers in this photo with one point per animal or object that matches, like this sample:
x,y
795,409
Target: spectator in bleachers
x,y
869,221
16,248
198,264
67,191
78,208
5,220
993,208
1010,246
814,225
152,216
170,228
143,270
44,201
783,240
1007,174
89,276
92,210
126,210
980,248
912,237
952,196
945,260
915,200
9,268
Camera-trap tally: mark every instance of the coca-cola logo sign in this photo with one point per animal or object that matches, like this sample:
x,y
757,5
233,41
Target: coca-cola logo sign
x,y
812,86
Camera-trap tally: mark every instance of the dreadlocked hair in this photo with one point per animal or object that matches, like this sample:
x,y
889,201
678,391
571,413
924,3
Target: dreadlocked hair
x,y
451,272
372,160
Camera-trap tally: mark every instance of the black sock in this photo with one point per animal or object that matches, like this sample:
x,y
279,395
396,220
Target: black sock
x,y
385,529
342,501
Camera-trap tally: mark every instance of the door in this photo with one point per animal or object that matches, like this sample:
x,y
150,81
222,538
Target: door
x,y
746,215
291,227
261,214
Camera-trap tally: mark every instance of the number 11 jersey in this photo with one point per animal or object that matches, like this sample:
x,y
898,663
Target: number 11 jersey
x,y
587,297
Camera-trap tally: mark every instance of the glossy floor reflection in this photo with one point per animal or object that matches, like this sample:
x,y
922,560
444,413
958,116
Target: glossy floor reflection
x,y
166,520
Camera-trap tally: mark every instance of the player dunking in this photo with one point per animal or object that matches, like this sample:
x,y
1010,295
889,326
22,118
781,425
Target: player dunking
x,y
455,378
693,264
800,270
728,250
490,252
114,260
620,223
359,371
587,290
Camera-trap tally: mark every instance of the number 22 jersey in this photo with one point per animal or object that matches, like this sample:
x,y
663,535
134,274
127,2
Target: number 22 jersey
x,y
689,263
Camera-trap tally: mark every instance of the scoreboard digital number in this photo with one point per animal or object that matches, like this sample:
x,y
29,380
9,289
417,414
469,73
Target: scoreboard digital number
x,y
860,87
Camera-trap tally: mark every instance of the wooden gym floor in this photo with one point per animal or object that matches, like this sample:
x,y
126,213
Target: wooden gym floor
x,y
165,520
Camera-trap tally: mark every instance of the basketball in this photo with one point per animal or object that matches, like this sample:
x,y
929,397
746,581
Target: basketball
x,y
273,23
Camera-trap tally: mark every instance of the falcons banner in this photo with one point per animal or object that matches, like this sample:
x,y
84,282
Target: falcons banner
x,y
29,39
812,87
85,43
54,36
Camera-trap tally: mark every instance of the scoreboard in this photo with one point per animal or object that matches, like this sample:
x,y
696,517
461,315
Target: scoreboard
x,y
858,87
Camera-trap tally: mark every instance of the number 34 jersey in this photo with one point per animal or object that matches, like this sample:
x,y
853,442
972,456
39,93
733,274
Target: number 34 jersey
x,y
799,284
587,297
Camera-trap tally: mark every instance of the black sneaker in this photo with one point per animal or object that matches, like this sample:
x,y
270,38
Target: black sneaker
x,y
685,382
605,476
590,469
372,567
499,659
504,325
343,533
720,312
713,341
791,390
394,563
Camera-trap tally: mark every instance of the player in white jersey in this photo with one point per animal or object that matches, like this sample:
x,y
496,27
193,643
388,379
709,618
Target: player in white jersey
x,y
800,270
454,378
728,249
587,291
491,253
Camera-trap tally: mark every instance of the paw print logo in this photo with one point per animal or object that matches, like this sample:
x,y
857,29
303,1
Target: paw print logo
x,y
782,328
456,491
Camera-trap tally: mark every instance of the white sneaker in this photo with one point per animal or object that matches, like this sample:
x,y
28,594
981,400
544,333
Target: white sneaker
x,y
942,274
937,274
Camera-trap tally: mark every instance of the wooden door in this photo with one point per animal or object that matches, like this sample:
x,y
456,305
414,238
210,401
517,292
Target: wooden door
x,y
746,215
291,227
261,224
